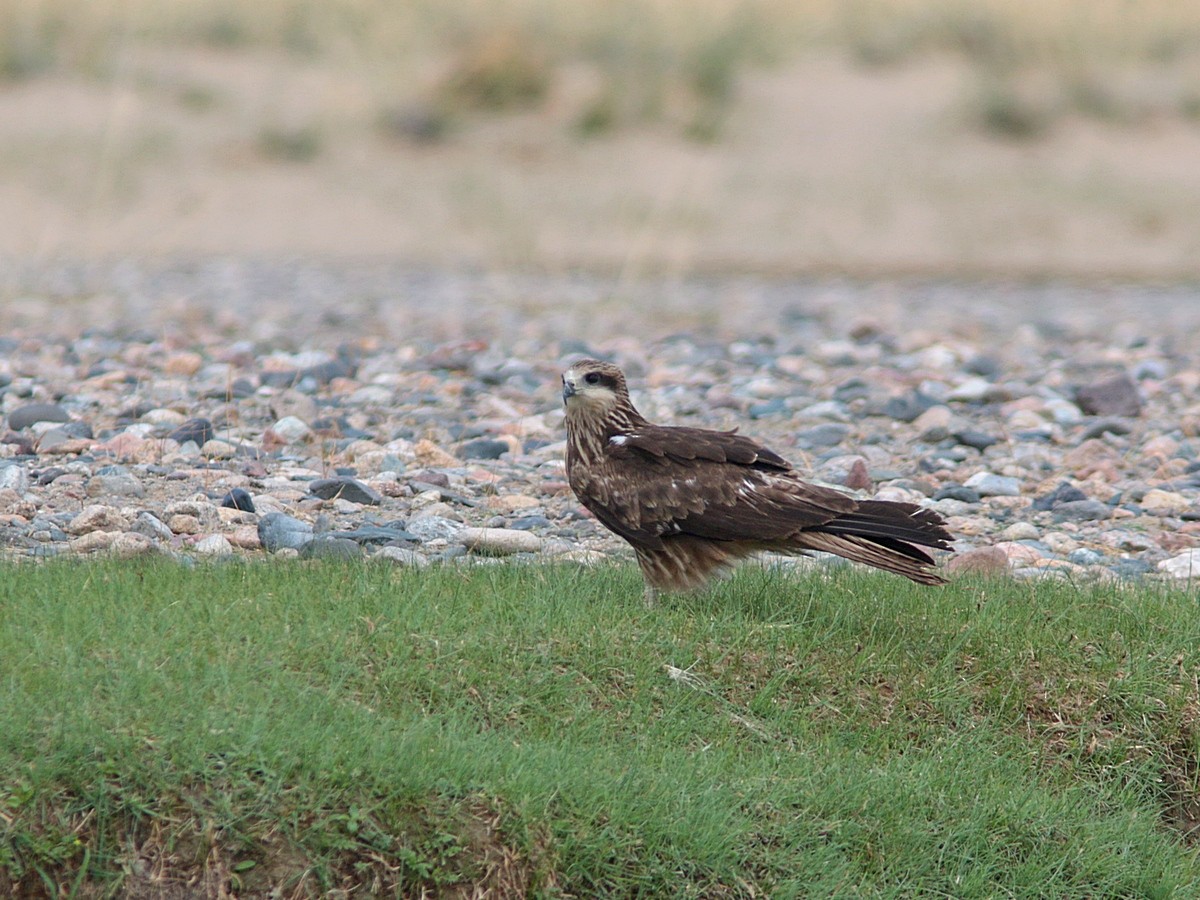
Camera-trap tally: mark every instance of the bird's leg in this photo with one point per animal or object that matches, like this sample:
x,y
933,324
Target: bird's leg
x,y
650,597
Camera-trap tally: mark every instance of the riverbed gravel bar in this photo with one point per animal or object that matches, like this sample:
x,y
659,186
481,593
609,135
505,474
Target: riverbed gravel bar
x,y
229,409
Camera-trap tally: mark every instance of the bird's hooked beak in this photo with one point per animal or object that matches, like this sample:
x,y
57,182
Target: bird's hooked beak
x,y
569,390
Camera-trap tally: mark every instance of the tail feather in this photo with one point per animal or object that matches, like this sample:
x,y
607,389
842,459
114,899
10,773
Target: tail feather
x,y
883,519
872,553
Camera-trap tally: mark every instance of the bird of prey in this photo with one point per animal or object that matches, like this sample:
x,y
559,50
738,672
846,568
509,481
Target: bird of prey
x,y
693,502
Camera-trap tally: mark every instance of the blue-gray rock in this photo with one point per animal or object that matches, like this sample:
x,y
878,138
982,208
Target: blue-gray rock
x,y
78,429
32,413
989,484
13,476
198,430
310,378
149,525
279,530
528,523
1064,493
431,528
904,408
957,492
1131,567
1108,425
326,546
1115,396
402,556
1084,556
238,389
773,407
980,440
828,435
1082,511
48,476
115,481
854,389
344,487
238,499
374,534
484,448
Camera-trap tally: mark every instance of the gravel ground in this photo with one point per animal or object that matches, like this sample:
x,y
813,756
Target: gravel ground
x,y
235,409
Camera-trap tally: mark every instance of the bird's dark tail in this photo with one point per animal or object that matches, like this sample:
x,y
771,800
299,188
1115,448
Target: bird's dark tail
x,y
884,534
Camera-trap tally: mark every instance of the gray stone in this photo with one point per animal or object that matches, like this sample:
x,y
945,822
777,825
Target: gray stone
x,y
989,484
402,556
375,534
97,518
344,487
197,431
292,429
213,545
499,541
324,546
1185,566
149,525
828,435
971,437
13,477
115,481
277,531
1115,396
32,413
1082,511
483,449
238,499
1084,556
432,528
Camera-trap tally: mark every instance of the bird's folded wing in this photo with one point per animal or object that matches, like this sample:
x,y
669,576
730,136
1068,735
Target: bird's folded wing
x,y
686,444
664,496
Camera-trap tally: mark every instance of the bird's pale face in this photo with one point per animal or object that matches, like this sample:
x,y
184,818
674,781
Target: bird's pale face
x,y
592,386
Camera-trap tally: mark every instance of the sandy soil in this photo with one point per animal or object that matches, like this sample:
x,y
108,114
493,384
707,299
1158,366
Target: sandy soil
x,y
823,167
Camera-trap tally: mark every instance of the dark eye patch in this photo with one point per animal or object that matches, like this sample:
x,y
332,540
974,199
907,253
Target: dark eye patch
x,y
593,378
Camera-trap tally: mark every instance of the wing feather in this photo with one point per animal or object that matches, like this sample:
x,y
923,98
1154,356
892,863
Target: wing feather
x,y
663,481
688,444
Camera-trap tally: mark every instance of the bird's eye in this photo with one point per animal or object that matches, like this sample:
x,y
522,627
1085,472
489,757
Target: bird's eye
x,y
592,377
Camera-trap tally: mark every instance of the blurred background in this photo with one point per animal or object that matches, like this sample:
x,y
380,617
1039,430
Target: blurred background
x,y
634,138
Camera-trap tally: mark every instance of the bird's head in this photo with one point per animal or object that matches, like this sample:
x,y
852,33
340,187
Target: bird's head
x,y
594,387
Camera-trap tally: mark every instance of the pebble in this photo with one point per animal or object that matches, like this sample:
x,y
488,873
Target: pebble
x,y
238,499
1165,503
989,484
197,431
1082,511
13,477
483,449
279,531
1184,565
32,413
1115,396
402,556
499,541
213,545
291,429
981,560
324,546
1061,448
345,488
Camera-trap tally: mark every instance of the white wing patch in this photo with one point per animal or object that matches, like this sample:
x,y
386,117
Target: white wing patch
x,y
618,439
748,487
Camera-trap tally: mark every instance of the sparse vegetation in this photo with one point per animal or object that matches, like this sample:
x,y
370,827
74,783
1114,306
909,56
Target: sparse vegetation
x,y
299,144
535,731
647,57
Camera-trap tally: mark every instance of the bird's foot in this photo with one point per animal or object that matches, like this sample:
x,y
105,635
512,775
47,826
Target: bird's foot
x,y
650,597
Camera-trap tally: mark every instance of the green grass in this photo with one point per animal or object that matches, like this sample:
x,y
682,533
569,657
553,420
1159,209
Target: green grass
x,y
536,731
